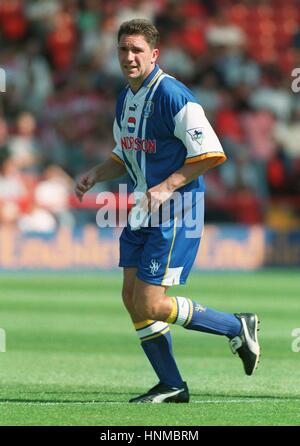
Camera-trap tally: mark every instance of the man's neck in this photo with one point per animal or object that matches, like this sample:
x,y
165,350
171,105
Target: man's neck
x,y
135,85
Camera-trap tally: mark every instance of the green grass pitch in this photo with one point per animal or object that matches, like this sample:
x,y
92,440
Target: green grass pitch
x,y
72,357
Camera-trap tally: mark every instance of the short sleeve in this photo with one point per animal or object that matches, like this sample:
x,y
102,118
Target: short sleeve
x,y
117,154
197,135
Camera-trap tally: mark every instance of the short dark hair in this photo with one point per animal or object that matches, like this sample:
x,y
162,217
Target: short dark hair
x,y
141,27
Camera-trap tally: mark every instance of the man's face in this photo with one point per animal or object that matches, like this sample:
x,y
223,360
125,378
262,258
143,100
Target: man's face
x,y
136,58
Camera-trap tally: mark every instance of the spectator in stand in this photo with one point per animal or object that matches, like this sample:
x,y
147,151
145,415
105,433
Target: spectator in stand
x,y
3,133
273,94
28,77
59,66
137,9
257,127
62,40
207,91
169,19
34,79
99,46
287,134
237,67
24,147
222,32
38,12
52,194
13,21
175,60
13,191
278,173
296,39
193,38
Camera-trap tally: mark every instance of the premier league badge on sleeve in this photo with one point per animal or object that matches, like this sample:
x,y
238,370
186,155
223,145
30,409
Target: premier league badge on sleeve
x,y
148,109
196,134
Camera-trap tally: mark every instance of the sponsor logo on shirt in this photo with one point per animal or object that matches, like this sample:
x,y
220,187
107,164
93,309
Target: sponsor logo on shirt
x,y
131,124
131,143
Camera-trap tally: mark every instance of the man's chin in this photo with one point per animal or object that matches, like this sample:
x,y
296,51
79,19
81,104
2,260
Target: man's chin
x,y
134,75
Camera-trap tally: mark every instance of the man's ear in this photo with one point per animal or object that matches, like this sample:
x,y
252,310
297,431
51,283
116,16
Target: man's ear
x,y
155,55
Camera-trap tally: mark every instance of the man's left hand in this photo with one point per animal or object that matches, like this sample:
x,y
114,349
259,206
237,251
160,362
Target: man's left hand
x,y
155,197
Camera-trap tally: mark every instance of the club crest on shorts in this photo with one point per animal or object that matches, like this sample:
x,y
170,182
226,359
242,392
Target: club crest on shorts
x,y
148,109
154,266
196,134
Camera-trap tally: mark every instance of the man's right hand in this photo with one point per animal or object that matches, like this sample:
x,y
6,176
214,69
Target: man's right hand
x,y
85,183
109,170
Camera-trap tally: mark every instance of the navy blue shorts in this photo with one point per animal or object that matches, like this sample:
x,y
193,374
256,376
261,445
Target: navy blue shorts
x,y
162,255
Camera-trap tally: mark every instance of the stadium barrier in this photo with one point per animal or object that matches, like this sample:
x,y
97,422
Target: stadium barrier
x,y
224,247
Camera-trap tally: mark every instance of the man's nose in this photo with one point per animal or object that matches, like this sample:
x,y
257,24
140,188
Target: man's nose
x,y
130,55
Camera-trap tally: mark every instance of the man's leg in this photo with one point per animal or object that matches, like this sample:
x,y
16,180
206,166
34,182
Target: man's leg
x,y
151,302
129,277
155,340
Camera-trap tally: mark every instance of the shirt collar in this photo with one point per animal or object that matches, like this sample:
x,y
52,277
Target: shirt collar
x,y
150,76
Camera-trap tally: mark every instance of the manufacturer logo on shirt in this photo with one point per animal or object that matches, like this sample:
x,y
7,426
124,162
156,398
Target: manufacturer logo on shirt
x,y
133,107
196,134
148,109
131,124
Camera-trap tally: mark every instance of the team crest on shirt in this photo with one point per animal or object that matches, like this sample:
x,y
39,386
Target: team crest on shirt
x,y
196,134
154,266
148,109
131,124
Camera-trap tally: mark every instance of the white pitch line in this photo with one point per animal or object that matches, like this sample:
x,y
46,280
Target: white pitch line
x,y
234,401
240,401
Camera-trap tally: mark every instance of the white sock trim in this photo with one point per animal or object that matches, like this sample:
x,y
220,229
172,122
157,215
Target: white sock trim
x,y
184,307
152,329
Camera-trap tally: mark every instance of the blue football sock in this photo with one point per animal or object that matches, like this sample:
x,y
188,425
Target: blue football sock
x,y
193,316
156,342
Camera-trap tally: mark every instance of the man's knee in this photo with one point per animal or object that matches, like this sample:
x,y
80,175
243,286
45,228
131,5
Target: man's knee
x,y
143,310
146,301
148,308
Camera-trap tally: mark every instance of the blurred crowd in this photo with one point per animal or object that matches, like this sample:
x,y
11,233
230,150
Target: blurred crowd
x,y
62,79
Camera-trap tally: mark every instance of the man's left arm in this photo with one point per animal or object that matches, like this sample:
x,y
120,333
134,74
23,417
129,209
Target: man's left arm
x,y
188,172
203,150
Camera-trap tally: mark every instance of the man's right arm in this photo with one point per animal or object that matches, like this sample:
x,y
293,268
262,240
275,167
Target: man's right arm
x,y
108,170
